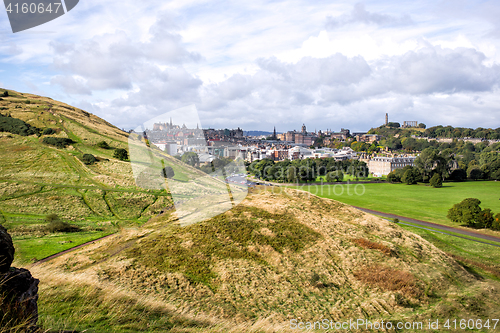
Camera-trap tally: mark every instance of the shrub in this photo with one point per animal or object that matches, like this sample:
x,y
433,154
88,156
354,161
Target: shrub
x,y
167,172
88,159
121,154
16,126
48,131
61,226
57,142
52,217
5,94
495,225
485,218
436,181
103,144
393,177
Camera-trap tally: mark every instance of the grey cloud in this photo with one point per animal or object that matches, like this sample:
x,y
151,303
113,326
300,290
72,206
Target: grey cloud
x,y
70,85
360,14
116,61
344,89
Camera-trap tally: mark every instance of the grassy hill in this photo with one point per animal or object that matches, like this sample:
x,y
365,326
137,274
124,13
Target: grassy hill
x,y
37,179
273,258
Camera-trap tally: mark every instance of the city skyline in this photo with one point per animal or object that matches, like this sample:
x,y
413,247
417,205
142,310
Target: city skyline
x,y
264,63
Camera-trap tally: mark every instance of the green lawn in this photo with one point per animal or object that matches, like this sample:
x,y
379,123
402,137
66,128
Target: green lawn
x,y
415,201
30,249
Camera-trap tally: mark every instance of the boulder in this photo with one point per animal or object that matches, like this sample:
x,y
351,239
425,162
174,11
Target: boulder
x,y
20,289
6,250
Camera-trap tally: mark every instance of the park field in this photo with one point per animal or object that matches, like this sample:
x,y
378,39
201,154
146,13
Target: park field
x,y
420,201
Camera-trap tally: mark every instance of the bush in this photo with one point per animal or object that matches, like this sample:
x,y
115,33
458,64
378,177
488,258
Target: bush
x,y
121,154
393,177
16,126
5,94
168,172
103,144
61,226
88,159
495,225
436,181
57,142
48,131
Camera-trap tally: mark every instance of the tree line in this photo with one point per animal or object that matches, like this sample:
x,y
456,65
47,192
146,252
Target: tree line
x,y
307,169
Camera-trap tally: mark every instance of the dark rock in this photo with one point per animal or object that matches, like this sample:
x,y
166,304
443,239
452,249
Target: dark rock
x,y
20,291
6,250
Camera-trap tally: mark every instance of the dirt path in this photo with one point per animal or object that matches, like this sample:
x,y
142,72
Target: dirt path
x,y
469,233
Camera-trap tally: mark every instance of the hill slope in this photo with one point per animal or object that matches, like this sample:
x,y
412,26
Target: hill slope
x,y
273,258
38,179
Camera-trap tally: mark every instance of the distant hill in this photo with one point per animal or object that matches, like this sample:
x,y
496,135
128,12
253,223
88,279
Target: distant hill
x,y
258,133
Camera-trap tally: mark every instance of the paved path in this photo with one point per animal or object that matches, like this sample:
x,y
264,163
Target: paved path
x,y
444,228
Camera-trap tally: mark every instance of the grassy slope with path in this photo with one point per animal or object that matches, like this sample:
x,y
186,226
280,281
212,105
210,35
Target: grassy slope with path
x,y
37,180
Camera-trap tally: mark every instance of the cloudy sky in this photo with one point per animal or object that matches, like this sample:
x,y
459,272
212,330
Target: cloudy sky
x,y
259,64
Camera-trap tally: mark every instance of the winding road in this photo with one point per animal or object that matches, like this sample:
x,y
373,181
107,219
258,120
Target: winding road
x,y
444,229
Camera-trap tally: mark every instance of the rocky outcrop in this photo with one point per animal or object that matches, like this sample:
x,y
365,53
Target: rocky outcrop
x,y
18,289
6,250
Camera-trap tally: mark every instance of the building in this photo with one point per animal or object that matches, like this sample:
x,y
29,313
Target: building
x,y
367,138
408,124
382,166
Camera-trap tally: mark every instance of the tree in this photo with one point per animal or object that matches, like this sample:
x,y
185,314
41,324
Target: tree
x,y
121,154
436,181
467,212
334,176
410,176
88,159
168,172
474,172
103,144
394,125
425,162
458,175
393,177
190,158
422,125
5,94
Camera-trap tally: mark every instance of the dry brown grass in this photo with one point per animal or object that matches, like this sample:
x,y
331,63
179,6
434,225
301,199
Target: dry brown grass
x,y
387,278
365,243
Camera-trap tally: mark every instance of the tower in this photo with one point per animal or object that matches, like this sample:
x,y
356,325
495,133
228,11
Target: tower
x,y
304,129
274,134
386,119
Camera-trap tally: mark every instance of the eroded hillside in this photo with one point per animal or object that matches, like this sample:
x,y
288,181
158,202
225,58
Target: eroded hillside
x,y
275,257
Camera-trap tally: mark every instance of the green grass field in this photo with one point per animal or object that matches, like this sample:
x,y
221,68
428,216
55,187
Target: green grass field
x,y
415,201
